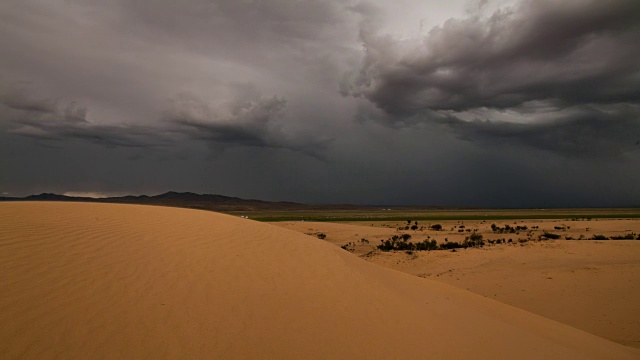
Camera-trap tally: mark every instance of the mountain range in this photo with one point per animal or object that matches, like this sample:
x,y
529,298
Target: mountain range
x,y
177,199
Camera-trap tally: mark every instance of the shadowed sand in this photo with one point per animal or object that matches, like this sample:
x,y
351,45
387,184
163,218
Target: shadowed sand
x,y
82,281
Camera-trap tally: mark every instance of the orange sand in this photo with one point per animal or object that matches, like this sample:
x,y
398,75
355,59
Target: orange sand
x,y
591,285
86,281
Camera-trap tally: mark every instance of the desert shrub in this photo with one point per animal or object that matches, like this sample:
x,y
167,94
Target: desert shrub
x,y
427,245
414,227
549,235
450,245
346,246
629,236
397,243
436,227
321,236
510,240
473,240
599,237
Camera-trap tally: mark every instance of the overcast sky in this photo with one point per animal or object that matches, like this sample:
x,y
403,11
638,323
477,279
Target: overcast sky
x,y
412,102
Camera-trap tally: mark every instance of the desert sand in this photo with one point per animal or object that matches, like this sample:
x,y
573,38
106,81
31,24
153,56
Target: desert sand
x,y
90,281
591,285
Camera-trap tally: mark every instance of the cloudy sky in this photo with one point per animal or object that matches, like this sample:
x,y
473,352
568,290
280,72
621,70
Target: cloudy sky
x,y
530,103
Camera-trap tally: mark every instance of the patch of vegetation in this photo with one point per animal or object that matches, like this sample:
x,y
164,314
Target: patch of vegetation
x,y
548,235
401,243
599,237
473,240
348,246
629,236
507,229
436,227
321,236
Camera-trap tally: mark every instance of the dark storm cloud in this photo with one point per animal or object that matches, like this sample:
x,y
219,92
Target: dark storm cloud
x,y
52,122
246,98
122,62
584,131
256,122
576,58
250,121
582,51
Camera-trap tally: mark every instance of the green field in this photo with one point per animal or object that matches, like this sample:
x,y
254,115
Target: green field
x,y
378,214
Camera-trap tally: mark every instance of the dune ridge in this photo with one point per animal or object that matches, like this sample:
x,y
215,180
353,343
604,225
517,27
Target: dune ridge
x,y
81,280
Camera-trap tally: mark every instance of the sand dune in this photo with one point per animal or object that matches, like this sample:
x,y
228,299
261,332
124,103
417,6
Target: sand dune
x,y
591,285
80,281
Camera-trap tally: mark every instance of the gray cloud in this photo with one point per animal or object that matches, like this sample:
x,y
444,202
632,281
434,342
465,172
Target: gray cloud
x,y
246,98
572,64
247,120
571,53
585,131
255,122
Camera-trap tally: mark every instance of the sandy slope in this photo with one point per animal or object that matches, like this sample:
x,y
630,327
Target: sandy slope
x,y
590,285
81,281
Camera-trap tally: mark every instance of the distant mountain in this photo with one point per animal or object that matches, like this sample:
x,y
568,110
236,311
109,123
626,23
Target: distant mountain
x,y
212,202
55,197
178,199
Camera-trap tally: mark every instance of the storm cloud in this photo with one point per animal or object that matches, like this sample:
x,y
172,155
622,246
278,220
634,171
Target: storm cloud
x,y
549,73
377,102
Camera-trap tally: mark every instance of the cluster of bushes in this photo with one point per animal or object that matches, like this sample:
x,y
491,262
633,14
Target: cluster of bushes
x,y
629,236
507,229
350,245
401,243
413,227
499,241
548,235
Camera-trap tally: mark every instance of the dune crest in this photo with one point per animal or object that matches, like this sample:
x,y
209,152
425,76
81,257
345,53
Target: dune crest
x,y
82,280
